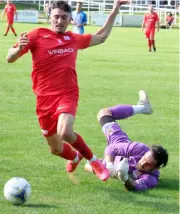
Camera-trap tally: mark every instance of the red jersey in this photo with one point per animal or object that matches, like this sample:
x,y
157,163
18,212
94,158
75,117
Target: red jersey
x,y
10,10
54,60
150,20
169,18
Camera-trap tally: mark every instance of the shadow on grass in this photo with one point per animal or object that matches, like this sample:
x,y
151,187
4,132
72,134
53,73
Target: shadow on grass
x,y
142,199
40,206
168,183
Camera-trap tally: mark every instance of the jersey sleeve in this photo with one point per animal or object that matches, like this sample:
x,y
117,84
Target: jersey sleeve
x,y
14,7
32,36
157,18
85,18
146,182
145,19
5,9
83,41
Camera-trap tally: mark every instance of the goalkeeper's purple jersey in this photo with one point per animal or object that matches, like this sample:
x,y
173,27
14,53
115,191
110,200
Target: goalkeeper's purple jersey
x,y
119,146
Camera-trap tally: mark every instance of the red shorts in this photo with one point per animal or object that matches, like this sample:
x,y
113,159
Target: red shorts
x,y
48,109
10,20
150,33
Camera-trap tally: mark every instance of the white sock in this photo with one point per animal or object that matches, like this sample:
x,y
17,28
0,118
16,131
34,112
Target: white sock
x,y
138,109
94,158
76,159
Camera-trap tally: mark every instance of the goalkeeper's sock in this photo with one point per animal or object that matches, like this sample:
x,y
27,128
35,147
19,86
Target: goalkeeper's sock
x,y
121,111
138,109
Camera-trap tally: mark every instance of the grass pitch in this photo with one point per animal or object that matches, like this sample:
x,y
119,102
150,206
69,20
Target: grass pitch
x,y
109,74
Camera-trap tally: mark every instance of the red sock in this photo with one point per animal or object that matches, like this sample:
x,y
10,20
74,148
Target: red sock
x,y
149,43
68,153
82,148
13,30
7,30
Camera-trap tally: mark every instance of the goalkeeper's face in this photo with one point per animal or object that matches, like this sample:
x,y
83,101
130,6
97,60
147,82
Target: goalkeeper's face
x,y
60,20
147,162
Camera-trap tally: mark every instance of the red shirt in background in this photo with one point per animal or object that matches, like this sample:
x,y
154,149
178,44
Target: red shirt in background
x,y
10,10
150,20
169,18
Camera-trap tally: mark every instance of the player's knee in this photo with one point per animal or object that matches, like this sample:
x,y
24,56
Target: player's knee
x,y
65,135
102,113
56,151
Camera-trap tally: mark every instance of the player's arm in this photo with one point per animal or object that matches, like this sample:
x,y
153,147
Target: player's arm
x,y
158,25
15,52
143,24
3,13
15,12
84,20
144,183
105,30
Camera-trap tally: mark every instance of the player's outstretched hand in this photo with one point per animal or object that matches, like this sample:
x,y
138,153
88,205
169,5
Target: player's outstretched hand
x,y
118,3
121,2
23,41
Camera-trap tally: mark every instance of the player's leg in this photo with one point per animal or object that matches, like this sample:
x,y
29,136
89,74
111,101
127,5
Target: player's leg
x,y
7,29
170,25
65,131
147,33
57,147
49,128
152,39
12,29
61,149
117,139
119,112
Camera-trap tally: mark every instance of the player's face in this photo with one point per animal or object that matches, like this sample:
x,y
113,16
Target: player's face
x,y
147,162
151,9
78,6
60,20
8,2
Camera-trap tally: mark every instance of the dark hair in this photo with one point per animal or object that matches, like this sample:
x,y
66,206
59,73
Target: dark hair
x,y
160,155
62,5
79,2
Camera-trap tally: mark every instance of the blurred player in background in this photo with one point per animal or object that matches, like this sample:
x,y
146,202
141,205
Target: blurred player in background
x,y
149,22
55,82
134,163
169,20
47,10
10,11
79,19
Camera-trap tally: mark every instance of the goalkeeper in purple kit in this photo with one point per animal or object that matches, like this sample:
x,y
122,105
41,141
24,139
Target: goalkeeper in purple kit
x,y
134,163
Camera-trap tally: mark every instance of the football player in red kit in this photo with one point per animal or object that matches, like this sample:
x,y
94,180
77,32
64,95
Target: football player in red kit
x,y
149,22
10,11
55,82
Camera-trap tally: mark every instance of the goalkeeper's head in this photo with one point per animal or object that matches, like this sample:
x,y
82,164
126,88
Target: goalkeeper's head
x,y
160,155
155,158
